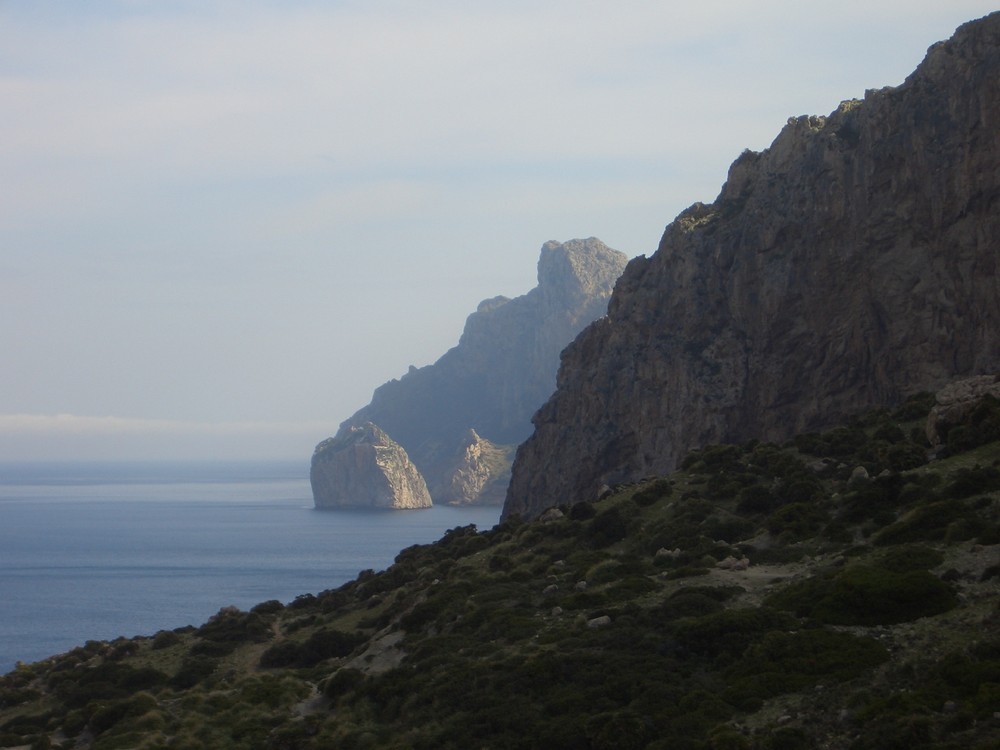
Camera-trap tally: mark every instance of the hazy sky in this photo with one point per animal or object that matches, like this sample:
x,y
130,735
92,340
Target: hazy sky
x,y
223,224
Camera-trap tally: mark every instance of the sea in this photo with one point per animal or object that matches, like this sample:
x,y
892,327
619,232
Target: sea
x,y
93,551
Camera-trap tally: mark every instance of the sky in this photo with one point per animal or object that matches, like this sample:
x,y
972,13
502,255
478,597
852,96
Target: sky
x,y
223,224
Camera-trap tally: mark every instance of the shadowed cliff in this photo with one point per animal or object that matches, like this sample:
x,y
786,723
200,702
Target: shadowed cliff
x,y
850,264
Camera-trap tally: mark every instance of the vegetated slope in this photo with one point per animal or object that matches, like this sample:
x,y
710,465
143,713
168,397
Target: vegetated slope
x,y
851,264
501,371
836,591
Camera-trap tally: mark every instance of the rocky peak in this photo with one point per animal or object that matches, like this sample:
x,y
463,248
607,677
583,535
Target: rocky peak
x,y
501,371
852,263
576,269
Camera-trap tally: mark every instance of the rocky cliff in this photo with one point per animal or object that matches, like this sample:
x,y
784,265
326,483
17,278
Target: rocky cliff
x,y
501,371
477,473
363,467
850,264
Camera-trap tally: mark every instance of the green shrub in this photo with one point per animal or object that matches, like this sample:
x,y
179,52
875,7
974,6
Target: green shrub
x,y
796,521
982,426
729,529
905,456
729,632
787,738
652,493
606,528
757,499
782,662
631,587
605,571
213,648
270,607
342,681
694,603
193,670
926,523
910,557
966,482
165,639
107,716
230,625
864,595
917,406
619,730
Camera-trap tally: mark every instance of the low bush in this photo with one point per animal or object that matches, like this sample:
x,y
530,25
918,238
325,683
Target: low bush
x,y
165,639
193,670
728,633
866,595
797,521
229,624
906,557
925,523
966,482
606,528
784,662
653,493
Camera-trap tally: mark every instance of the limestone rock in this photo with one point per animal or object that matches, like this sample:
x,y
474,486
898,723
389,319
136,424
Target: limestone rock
x,y
363,467
479,472
501,371
956,401
849,265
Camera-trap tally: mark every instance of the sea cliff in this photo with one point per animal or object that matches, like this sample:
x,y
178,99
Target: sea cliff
x,y
852,263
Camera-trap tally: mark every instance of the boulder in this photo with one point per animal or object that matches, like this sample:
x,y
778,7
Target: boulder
x,y
956,401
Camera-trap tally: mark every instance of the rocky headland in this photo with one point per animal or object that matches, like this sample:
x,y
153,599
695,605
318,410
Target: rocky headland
x,y
501,371
852,263
364,467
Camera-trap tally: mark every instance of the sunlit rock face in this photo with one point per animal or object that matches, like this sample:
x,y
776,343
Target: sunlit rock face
x,y
478,473
364,468
852,263
501,371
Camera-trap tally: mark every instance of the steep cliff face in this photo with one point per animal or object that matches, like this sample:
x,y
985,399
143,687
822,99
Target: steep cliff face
x,y
850,264
364,468
502,370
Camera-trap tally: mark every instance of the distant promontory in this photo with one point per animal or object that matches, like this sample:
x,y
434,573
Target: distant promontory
x,y
460,419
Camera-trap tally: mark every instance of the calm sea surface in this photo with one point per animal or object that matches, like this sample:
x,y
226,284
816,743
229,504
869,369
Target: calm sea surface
x,y
94,551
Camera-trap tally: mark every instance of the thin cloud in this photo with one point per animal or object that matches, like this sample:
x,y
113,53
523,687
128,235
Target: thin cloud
x,y
72,424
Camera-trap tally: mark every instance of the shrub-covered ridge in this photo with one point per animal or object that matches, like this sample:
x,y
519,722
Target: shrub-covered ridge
x,y
837,591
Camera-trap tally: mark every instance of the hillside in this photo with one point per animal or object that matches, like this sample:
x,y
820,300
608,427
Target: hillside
x,y
851,264
839,590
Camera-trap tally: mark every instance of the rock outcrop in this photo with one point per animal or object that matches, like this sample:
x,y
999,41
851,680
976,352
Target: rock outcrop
x,y
501,371
364,468
852,263
956,401
478,472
